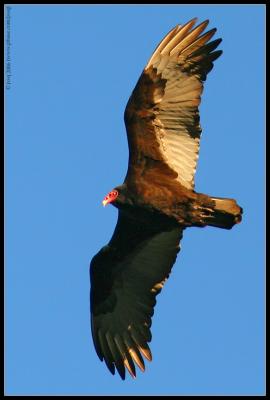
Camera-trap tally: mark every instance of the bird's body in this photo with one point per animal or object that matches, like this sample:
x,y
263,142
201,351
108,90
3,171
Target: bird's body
x,y
153,200
157,200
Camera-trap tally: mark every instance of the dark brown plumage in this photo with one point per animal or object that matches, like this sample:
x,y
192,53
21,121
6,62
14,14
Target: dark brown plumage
x,y
157,200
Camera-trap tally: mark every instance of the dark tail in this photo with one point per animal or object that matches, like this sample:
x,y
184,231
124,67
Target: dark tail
x,y
225,214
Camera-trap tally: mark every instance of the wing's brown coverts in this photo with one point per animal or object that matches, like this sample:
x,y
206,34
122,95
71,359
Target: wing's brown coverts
x,y
162,122
162,116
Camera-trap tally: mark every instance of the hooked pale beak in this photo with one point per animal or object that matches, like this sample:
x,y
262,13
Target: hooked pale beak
x,y
104,202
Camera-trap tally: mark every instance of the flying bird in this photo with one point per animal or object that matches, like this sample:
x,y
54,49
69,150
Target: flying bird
x,y
157,200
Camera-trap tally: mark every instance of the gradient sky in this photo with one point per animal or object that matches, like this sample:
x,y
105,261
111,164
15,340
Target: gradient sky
x,y
73,69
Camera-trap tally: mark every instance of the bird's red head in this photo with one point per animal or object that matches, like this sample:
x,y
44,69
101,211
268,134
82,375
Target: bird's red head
x,y
110,197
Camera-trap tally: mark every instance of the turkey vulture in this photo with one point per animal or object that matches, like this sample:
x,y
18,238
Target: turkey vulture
x,y
157,200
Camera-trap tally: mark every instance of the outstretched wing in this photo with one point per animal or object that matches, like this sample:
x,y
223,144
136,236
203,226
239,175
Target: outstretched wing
x,y
162,116
126,275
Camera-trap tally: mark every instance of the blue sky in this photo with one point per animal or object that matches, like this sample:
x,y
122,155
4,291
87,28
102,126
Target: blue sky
x,y
72,71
